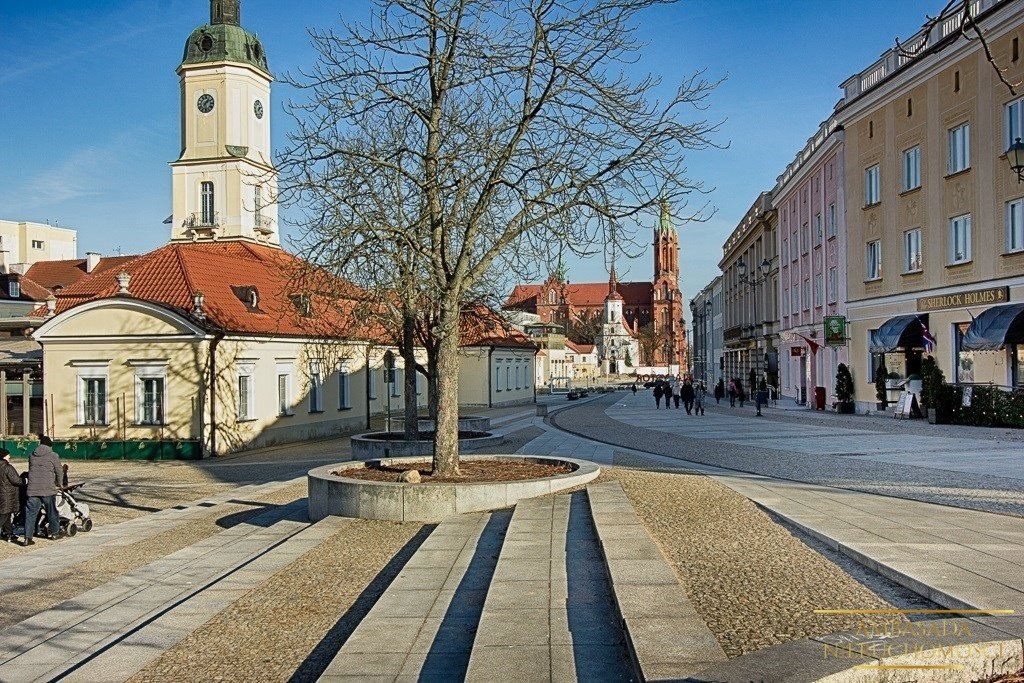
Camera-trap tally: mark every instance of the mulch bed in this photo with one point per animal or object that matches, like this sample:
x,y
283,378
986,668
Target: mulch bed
x,y
470,470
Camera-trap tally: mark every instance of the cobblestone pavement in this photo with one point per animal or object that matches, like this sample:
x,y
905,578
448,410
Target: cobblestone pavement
x,y
784,449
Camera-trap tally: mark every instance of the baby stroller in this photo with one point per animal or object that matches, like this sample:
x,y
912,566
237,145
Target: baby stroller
x,y
73,515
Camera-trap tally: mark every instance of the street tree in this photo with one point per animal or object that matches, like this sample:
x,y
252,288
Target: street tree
x,y
501,127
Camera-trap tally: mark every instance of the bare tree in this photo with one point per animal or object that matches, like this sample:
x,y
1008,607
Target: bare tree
x,y
501,127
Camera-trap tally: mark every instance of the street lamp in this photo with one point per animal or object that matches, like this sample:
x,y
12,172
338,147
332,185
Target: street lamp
x,y
1015,155
765,267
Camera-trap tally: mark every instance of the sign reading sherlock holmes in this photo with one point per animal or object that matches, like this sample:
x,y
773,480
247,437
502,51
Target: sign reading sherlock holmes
x,y
979,297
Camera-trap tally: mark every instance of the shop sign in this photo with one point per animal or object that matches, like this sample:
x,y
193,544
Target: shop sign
x,y
796,351
979,297
835,330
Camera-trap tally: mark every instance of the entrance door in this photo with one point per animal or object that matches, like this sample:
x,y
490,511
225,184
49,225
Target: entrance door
x,y
803,379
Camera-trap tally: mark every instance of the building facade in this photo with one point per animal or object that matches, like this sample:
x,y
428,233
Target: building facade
x,y
936,217
706,338
23,243
750,285
810,200
650,313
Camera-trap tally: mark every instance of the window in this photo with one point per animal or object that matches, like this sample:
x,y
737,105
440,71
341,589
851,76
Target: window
x,y
832,227
497,377
805,238
833,285
371,379
151,407
37,244
818,234
805,294
964,359
1014,122
206,202
795,248
94,400
14,289
519,384
258,204
316,389
246,410
960,239
912,251
284,392
785,302
508,377
911,169
1015,225
872,188
785,249
344,389
396,382
794,300
873,262
819,293
960,148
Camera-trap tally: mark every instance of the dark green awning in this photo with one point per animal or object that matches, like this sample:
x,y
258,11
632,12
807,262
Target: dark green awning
x,y
995,328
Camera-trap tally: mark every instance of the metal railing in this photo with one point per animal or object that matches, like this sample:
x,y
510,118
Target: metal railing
x,y
201,219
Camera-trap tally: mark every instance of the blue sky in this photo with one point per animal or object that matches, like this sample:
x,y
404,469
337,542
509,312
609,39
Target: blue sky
x,y
89,101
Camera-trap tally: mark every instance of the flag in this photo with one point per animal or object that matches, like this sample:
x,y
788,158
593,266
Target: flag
x,y
927,337
811,344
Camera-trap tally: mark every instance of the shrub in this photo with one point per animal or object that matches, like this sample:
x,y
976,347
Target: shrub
x,y
881,374
844,384
931,383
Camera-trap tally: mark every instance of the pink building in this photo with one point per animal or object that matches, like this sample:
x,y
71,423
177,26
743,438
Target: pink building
x,y
812,265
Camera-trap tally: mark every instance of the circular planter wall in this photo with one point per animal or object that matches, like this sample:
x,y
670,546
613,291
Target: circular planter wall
x,y
467,423
331,493
376,445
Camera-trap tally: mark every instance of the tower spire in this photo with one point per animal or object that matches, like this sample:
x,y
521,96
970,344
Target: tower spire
x,y
665,224
226,12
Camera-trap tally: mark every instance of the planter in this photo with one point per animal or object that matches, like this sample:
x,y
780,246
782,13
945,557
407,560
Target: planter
x,y
846,407
335,494
375,445
881,406
132,449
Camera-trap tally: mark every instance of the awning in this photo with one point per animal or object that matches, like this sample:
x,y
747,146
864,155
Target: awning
x,y
995,328
903,331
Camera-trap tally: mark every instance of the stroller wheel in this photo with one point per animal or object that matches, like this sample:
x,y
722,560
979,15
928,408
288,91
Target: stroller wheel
x,y
87,525
72,529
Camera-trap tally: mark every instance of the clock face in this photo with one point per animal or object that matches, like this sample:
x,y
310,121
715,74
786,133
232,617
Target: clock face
x,y
257,108
205,103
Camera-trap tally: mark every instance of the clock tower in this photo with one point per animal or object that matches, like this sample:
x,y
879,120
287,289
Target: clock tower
x,y
224,184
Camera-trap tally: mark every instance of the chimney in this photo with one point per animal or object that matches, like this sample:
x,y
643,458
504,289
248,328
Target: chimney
x,y
92,259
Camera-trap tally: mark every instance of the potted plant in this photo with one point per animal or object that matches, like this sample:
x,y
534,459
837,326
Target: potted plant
x,y
844,390
881,392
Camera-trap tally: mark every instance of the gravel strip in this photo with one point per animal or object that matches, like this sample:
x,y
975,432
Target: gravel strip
x,y
752,581
1001,495
293,624
110,564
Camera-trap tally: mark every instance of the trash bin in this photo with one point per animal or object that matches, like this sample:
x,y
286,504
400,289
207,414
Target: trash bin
x,y
819,398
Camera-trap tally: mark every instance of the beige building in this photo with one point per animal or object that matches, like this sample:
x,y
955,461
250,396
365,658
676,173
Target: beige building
x,y
750,285
23,243
934,214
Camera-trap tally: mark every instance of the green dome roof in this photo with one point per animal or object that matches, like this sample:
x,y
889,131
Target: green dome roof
x,y
225,43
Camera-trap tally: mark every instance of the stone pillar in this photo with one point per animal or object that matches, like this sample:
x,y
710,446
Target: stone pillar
x,y
26,401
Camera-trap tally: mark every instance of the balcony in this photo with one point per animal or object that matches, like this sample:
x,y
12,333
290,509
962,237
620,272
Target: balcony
x,y
264,226
202,223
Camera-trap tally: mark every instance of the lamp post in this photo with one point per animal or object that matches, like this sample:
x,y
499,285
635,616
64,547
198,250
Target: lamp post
x,y
1015,156
765,268
709,343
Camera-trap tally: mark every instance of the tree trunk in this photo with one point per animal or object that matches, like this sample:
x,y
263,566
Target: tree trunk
x,y
432,384
446,427
408,349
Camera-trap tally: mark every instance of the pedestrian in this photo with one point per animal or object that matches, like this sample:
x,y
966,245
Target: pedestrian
x,y
732,394
675,395
658,393
10,482
698,398
740,394
44,481
687,395
634,388
719,390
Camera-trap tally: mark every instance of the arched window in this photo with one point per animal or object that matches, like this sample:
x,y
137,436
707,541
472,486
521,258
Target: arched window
x,y
551,296
206,202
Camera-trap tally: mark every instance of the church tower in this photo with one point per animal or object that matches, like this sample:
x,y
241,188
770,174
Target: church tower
x,y
224,184
667,304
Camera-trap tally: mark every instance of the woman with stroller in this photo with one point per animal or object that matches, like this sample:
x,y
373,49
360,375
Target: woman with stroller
x,y
10,484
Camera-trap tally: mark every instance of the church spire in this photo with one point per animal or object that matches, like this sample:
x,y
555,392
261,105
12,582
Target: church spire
x,y
665,224
226,12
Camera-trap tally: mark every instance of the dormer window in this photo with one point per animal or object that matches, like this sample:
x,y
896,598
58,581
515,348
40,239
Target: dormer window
x,y
303,304
249,296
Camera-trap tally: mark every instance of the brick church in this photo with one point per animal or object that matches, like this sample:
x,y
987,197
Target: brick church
x,y
651,312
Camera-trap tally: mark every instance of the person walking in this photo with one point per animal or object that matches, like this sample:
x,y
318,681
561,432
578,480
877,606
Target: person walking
x,y
44,481
687,395
699,393
675,394
739,392
732,394
719,390
634,388
9,485
659,391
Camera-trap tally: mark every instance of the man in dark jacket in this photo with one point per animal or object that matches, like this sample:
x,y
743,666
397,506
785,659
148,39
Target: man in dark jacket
x,y
686,393
9,483
44,480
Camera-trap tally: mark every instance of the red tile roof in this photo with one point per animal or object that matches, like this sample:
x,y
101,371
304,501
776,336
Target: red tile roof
x,y
50,274
579,348
589,294
223,272
483,327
